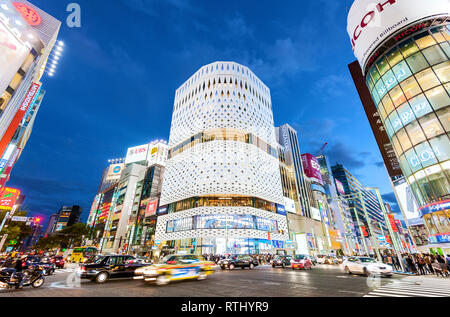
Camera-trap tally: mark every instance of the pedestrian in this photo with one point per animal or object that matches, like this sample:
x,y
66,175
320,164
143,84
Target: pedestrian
x,y
420,264
428,263
441,261
411,264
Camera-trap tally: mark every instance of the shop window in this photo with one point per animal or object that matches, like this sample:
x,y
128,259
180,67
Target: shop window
x,y
383,66
431,126
401,71
417,62
394,57
424,40
408,48
415,133
438,97
444,117
426,189
427,79
388,105
439,184
420,105
441,147
403,139
417,193
397,96
410,87
434,55
443,72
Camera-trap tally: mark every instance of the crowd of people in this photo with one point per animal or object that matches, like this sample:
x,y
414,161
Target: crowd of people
x,y
262,258
420,263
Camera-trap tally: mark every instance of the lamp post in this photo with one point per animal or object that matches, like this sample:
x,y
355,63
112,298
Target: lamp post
x,y
391,233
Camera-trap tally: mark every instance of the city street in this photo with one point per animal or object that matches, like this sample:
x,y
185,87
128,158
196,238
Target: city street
x,y
264,281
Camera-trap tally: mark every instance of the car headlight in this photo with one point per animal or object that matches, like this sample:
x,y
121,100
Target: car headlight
x,y
151,272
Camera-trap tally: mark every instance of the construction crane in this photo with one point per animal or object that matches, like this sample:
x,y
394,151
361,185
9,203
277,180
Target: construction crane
x,y
323,148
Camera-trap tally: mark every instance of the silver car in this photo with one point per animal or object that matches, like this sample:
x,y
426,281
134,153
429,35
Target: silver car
x,y
366,266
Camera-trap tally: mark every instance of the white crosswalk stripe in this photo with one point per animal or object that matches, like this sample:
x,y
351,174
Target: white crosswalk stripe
x,y
413,288
60,271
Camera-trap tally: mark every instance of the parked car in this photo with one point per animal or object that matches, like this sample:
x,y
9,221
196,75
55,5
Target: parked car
x,y
301,262
175,268
281,260
235,261
366,266
104,267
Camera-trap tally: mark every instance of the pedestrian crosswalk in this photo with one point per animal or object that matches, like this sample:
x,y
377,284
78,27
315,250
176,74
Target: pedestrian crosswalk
x,y
64,271
414,287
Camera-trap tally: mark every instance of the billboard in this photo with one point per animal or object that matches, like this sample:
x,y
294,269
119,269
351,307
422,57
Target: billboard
x,y
311,167
8,197
281,210
289,205
137,154
339,187
315,214
151,208
439,206
114,172
12,55
371,22
392,222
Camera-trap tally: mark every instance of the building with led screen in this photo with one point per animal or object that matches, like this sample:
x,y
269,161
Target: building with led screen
x,y
403,49
222,180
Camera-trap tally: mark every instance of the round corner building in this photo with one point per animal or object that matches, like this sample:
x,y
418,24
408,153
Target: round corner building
x,y
403,49
222,186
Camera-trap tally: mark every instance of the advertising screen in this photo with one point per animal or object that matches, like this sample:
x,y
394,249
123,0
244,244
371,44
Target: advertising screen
x,y
339,187
8,197
151,208
311,167
137,154
114,171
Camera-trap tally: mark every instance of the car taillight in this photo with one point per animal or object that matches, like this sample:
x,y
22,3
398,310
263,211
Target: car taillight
x,y
171,262
82,268
24,264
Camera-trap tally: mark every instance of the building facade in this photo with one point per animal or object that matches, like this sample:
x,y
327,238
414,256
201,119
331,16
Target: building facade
x,y
407,73
222,183
67,216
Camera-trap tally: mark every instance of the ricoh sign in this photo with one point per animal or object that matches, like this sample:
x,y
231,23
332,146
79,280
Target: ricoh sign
x,y
371,22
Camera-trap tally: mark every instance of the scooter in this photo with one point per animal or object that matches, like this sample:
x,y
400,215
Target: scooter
x,y
31,277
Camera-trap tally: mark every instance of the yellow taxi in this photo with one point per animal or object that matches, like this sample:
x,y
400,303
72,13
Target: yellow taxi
x,y
175,268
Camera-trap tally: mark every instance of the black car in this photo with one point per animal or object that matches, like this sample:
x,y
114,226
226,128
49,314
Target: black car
x,y
103,267
281,260
235,261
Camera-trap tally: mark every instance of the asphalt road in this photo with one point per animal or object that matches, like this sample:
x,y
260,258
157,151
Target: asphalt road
x,y
263,281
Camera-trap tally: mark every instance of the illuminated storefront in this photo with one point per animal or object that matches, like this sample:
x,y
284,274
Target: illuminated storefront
x,y
408,75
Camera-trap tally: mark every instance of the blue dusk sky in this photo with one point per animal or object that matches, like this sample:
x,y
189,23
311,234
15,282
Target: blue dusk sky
x,y
114,86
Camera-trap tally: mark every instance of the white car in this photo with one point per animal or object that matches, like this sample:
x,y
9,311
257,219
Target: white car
x,y
321,258
366,266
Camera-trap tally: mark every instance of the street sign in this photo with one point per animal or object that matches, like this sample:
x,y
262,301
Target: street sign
x,y
19,219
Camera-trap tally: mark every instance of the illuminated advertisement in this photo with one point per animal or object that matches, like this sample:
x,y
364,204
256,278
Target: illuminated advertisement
x,y
114,172
311,167
439,206
392,222
163,210
440,238
28,13
289,205
407,201
339,187
8,197
12,55
315,214
136,154
370,22
26,103
281,210
151,208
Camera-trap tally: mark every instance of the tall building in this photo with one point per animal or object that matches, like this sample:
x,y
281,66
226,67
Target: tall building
x,y
403,49
51,224
28,39
67,216
366,211
222,183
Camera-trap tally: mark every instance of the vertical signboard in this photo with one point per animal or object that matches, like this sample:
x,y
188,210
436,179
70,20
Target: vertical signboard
x,y
8,197
151,208
311,167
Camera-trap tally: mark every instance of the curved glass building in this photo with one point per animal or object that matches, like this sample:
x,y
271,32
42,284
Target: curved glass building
x,y
222,186
408,75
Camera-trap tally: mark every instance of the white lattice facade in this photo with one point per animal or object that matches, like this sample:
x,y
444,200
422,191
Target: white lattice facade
x,y
222,96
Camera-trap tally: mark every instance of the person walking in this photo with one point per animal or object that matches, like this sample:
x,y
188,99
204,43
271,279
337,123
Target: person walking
x,y
420,263
411,264
428,263
440,260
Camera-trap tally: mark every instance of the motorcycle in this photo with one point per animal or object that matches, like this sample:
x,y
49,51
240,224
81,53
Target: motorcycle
x,y
31,277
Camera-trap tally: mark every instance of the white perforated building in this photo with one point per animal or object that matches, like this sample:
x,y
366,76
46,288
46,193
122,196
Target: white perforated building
x,y
222,187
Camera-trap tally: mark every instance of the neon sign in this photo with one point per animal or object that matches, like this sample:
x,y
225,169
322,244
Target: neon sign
x,y
28,13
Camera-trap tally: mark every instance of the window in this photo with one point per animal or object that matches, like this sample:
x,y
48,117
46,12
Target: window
x,y
381,90
397,96
425,154
431,125
389,80
424,40
395,121
417,62
434,55
388,105
420,105
413,160
374,74
446,47
401,71
438,36
394,57
383,66
427,79
403,139
405,114
405,165
444,117
415,133
410,87
443,72
438,97
441,147
408,48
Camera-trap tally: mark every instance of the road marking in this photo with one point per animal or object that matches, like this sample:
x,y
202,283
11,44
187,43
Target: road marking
x,y
351,292
426,288
272,283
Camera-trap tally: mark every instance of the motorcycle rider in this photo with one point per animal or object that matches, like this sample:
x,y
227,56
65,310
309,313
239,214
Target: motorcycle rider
x,y
19,271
